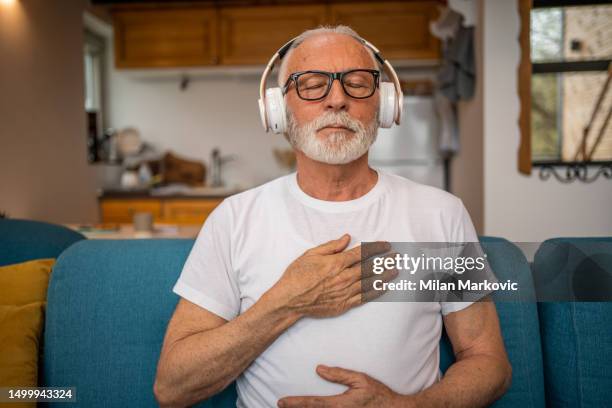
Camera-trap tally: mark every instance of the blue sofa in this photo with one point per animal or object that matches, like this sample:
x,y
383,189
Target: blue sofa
x,y
576,336
23,240
109,303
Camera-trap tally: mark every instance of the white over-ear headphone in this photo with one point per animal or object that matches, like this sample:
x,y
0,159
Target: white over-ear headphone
x,y
272,101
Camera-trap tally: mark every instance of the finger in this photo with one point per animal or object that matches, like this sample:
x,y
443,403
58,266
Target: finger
x,y
340,375
364,297
331,247
367,267
363,252
304,402
370,295
366,283
365,292
359,271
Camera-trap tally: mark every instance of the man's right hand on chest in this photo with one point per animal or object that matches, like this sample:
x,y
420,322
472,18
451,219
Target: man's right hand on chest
x,y
327,280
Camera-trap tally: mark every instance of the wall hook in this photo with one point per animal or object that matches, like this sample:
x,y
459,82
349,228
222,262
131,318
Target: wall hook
x,y
184,82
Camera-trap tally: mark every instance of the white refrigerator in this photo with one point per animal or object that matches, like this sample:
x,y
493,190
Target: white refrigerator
x,y
411,149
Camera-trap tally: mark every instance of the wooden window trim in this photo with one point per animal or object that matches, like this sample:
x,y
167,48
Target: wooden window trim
x,y
524,88
525,72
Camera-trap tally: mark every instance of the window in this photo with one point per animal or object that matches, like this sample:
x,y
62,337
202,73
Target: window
x,y
567,105
94,52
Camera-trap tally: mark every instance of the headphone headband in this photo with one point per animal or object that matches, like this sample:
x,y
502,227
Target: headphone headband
x,y
282,51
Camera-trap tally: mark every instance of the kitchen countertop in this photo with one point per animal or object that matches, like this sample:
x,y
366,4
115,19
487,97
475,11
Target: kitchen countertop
x,y
127,231
171,191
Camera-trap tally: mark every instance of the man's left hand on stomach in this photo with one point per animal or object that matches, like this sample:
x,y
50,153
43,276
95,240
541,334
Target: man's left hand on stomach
x,y
363,391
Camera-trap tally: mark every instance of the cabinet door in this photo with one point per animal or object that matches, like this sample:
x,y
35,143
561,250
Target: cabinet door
x,y
189,211
399,30
251,35
165,38
122,210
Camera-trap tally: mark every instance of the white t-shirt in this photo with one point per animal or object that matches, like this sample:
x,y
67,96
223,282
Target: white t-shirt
x,y
249,240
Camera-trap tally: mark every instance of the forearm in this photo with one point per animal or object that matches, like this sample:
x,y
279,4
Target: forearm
x,y
202,364
476,381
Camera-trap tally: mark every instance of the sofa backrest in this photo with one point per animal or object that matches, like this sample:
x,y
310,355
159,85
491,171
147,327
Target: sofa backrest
x,y
24,240
519,325
576,336
109,303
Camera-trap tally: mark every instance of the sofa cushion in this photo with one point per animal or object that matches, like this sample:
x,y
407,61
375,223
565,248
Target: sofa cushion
x,y
23,240
576,336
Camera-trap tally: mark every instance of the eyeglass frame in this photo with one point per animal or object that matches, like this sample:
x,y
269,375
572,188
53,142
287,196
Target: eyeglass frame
x,y
333,76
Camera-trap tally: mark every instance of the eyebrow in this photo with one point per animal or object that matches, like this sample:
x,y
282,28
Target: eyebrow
x,y
342,70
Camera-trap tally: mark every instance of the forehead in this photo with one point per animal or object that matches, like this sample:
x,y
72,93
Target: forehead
x,y
330,52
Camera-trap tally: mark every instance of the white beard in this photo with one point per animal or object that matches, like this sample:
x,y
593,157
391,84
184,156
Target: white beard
x,y
339,147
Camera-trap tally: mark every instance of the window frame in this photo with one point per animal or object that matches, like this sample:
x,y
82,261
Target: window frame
x,y
527,69
99,42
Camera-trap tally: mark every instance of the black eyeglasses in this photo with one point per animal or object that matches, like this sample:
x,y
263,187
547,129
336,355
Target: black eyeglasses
x,y
315,85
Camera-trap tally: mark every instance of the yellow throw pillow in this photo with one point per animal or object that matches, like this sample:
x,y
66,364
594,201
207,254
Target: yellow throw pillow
x,y
23,295
20,330
25,282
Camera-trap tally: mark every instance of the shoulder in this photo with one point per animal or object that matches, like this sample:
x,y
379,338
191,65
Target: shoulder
x,y
433,212
419,195
271,188
254,199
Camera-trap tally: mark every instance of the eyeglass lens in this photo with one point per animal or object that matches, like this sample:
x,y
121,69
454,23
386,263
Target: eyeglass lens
x,y
358,84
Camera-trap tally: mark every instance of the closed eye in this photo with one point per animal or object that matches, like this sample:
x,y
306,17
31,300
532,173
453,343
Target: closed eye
x,y
314,86
355,85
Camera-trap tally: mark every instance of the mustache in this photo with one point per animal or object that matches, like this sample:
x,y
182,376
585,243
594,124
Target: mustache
x,y
336,118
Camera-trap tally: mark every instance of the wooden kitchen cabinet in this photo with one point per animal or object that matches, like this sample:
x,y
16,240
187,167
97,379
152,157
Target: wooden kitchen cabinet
x,y
251,35
183,211
225,35
400,30
165,38
122,210
189,211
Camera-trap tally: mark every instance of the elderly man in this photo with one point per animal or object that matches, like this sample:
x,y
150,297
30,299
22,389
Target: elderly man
x,y
271,291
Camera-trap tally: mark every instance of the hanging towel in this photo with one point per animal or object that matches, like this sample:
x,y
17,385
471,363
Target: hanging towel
x,y
457,75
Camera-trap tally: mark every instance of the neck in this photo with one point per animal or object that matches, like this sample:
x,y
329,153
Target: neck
x,y
335,182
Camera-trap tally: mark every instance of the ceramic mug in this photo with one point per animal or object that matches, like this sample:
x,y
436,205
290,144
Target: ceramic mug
x,y
143,222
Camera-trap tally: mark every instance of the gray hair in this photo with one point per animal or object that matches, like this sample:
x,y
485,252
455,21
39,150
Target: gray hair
x,y
339,29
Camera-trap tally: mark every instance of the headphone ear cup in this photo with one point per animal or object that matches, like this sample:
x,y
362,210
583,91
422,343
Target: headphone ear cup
x,y
275,110
262,114
388,105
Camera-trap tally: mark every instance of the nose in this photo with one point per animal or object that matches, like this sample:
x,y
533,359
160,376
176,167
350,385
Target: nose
x,y
336,100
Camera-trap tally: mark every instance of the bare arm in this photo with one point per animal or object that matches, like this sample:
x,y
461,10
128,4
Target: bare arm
x,y
482,372
203,353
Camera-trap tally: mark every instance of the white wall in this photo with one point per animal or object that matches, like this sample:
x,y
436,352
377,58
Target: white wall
x,y
44,174
213,112
467,167
517,207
